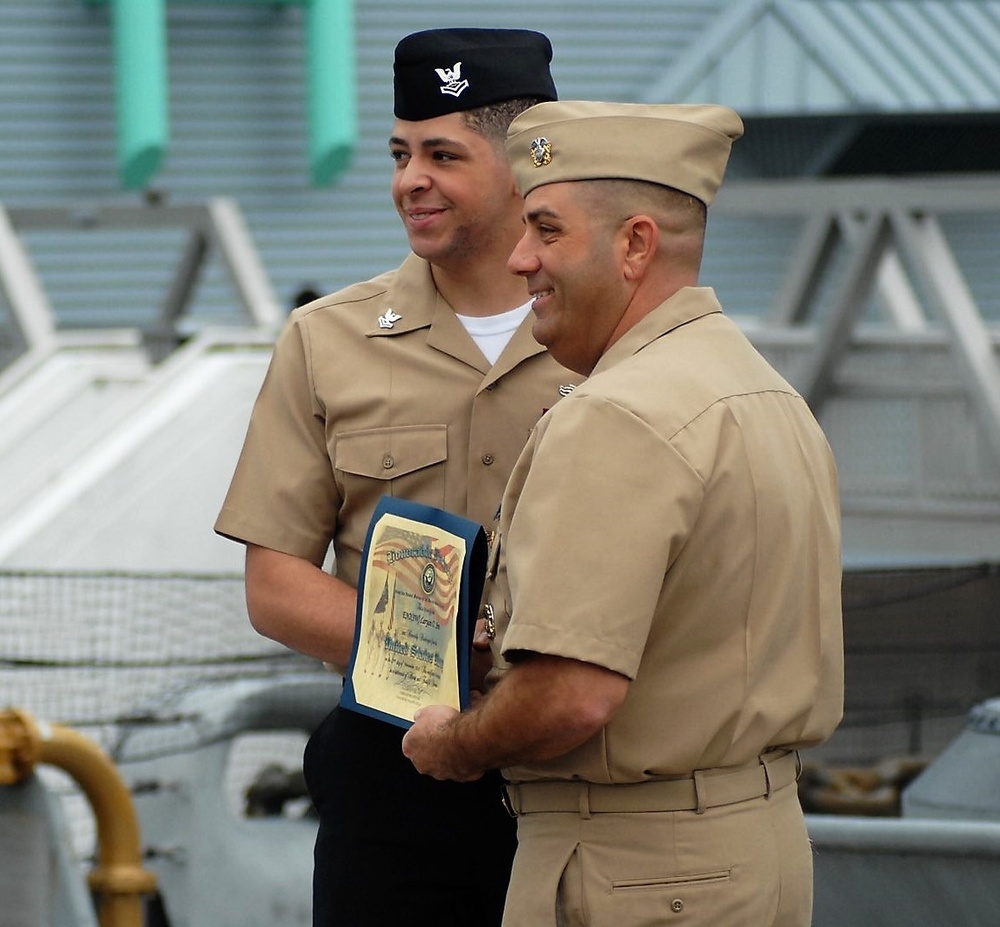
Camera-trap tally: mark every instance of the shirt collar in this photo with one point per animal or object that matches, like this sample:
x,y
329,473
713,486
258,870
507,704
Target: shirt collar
x,y
686,305
414,298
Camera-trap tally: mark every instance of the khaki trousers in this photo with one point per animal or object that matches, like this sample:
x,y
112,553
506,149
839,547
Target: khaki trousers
x,y
747,864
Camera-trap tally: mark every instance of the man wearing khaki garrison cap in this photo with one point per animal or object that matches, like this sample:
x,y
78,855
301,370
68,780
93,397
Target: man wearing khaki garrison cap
x,y
665,583
422,383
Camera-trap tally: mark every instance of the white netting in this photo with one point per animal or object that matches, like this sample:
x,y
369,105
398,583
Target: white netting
x,y
102,652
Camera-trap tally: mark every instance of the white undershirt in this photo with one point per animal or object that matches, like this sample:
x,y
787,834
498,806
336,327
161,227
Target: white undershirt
x,y
492,332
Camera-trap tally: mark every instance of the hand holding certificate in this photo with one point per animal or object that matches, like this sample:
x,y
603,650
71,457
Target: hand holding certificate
x,y
422,574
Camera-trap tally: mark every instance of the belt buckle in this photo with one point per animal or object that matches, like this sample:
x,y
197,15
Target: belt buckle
x,y
505,800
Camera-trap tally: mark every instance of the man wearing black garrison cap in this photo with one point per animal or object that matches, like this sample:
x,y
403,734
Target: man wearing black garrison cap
x,y
422,383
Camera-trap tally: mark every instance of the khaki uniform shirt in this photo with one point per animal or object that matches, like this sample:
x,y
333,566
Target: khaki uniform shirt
x,y
676,520
351,410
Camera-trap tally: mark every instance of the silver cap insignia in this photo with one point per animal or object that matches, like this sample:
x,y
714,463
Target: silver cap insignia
x,y
451,80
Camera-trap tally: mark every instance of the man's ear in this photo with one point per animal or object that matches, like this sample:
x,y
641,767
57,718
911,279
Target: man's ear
x,y
642,241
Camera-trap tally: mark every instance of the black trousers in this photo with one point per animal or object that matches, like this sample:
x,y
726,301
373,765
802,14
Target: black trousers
x,y
396,847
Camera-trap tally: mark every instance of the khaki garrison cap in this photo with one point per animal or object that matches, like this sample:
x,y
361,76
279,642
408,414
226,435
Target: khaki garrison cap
x,y
684,146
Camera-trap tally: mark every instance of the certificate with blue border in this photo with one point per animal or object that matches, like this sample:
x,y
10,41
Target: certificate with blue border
x,y
422,573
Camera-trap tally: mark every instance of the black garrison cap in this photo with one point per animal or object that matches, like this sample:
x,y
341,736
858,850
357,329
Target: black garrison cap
x,y
442,71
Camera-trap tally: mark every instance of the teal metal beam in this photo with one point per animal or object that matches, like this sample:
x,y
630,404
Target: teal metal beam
x,y
333,120
141,85
140,46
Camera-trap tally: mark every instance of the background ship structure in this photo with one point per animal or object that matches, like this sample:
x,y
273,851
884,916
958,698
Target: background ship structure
x,y
151,243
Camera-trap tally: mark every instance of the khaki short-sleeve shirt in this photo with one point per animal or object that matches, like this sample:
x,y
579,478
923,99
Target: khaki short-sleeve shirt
x,y
379,390
676,520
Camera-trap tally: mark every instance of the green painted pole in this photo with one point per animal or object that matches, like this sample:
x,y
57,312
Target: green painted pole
x,y
333,118
140,44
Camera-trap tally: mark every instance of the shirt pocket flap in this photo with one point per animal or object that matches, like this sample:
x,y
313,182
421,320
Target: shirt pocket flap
x,y
388,453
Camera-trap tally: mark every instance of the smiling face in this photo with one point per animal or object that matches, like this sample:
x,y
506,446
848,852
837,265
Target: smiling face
x,y
572,261
453,190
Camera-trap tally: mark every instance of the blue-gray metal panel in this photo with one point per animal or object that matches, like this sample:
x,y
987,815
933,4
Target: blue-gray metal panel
x,y
237,111
919,56
886,75
902,873
745,258
41,883
794,57
238,128
975,242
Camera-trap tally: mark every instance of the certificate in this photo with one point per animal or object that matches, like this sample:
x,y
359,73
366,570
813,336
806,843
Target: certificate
x,y
421,578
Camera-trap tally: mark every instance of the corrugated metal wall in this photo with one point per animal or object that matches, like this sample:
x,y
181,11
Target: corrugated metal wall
x,y
821,57
238,128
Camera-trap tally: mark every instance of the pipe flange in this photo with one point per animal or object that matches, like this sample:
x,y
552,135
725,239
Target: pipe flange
x,y
121,879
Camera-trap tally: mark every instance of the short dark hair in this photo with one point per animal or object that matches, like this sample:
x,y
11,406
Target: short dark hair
x,y
492,120
618,198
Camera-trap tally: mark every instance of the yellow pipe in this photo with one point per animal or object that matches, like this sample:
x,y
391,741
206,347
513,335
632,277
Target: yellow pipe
x,y
118,879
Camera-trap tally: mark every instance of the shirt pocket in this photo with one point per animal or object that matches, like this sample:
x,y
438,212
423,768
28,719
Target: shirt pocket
x,y
405,461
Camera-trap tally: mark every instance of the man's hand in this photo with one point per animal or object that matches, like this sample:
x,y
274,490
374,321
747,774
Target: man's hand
x,y
431,749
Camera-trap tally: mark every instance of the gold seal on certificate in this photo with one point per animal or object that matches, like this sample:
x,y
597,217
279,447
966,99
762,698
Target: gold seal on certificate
x,y
422,574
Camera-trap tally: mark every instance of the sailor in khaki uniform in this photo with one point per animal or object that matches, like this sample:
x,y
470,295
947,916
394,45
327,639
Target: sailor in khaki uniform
x,y
423,383
411,409
666,576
